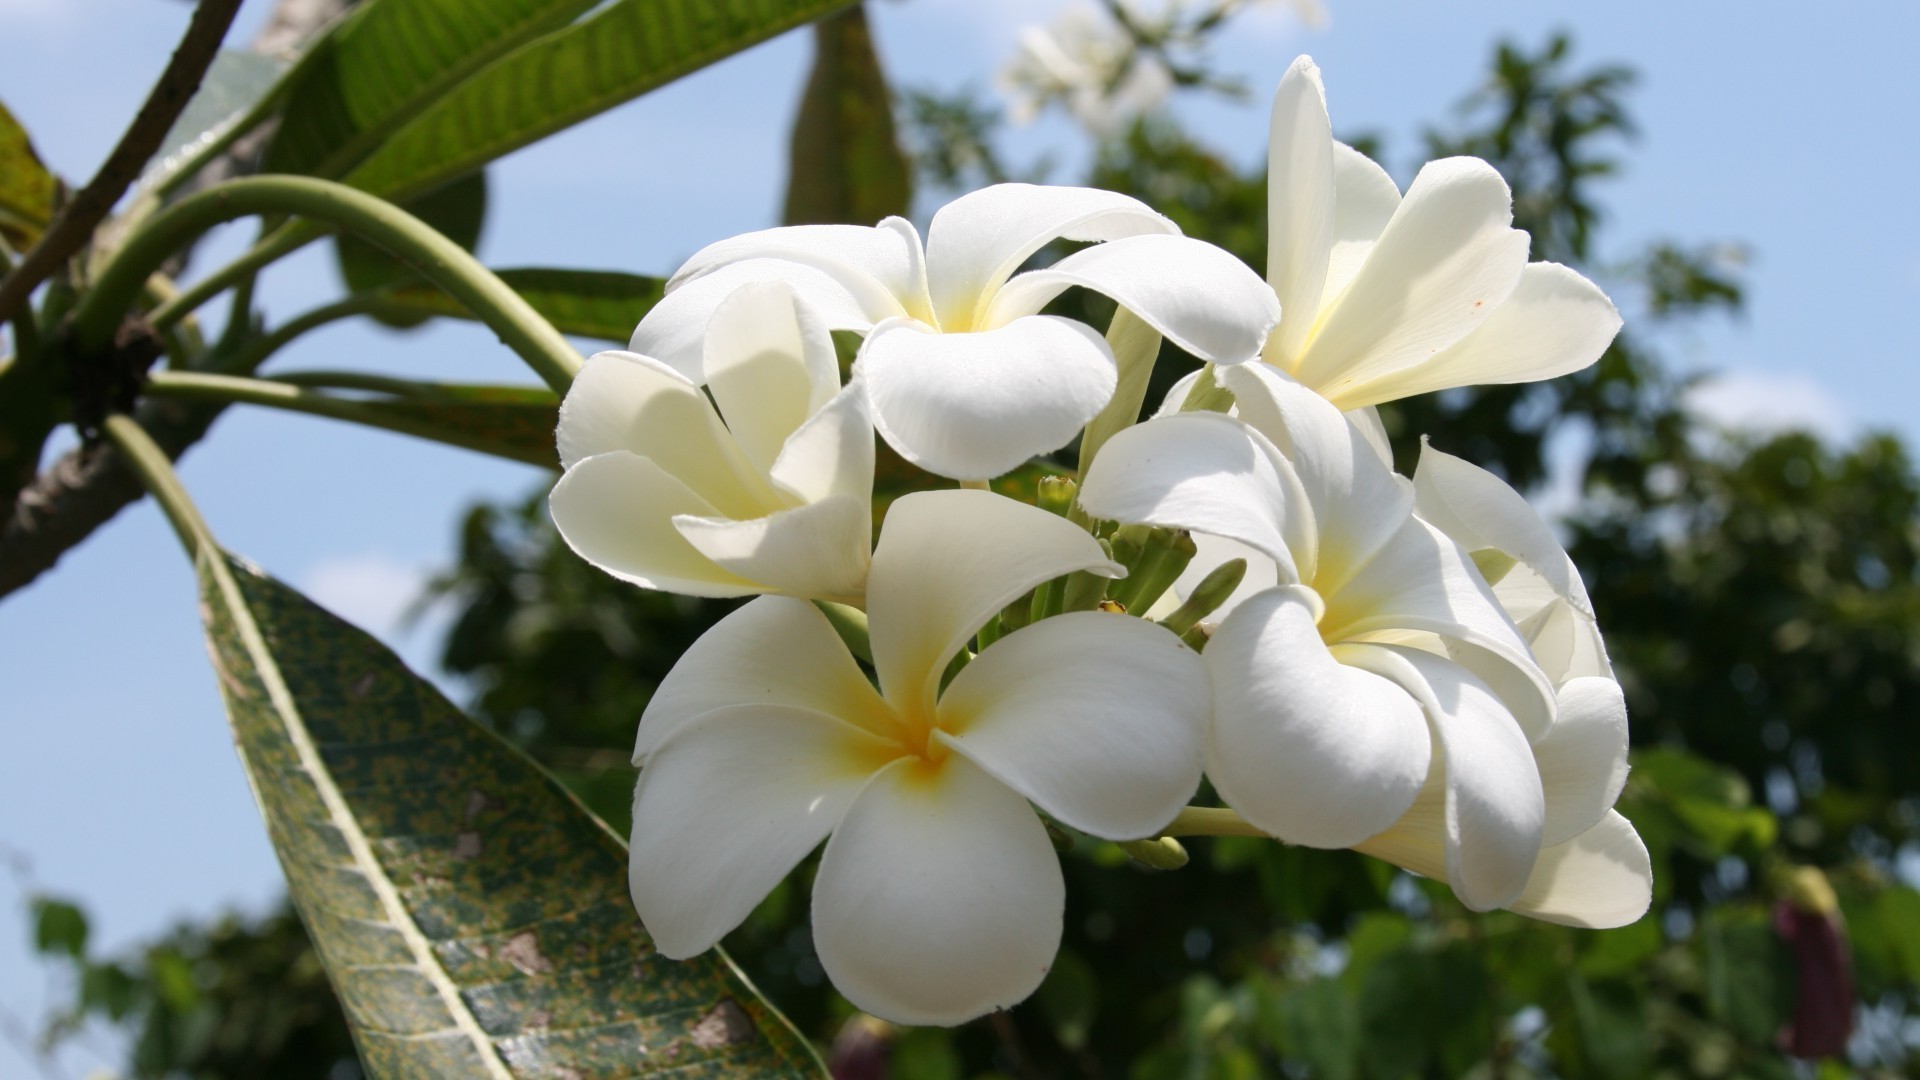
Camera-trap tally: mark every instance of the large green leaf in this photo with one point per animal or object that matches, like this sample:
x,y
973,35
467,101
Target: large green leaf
x,y
598,304
472,916
846,164
386,62
233,88
620,52
26,187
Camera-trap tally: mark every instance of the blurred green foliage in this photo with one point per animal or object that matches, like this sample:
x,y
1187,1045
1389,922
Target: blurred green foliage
x,y
1759,598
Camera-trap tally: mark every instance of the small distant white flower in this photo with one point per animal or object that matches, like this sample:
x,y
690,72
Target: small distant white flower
x,y
1389,296
1364,659
1087,64
770,494
939,896
964,378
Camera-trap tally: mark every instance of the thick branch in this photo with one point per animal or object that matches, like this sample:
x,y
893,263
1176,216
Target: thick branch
x,y
77,220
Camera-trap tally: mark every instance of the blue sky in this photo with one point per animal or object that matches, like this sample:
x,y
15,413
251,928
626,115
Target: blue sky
x,y
1784,126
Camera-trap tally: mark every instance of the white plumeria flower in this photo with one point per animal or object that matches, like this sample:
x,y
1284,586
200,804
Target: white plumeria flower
x,y
1389,296
1363,657
939,896
771,493
1088,64
1593,870
963,377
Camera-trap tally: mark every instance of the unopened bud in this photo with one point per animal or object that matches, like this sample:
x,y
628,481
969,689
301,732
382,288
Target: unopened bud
x,y
1156,853
1056,494
1197,638
1112,607
1207,596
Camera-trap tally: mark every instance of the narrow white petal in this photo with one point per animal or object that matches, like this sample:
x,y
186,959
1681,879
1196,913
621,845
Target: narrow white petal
x,y
616,511
1555,322
817,551
727,807
769,364
627,402
675,330
973,406
832,452
1358,501
877,265
1439,269
1495,811
1207,473
1371,428
1300,204
1097,718
774,651
1583,757
1196,295
1480,510
1597,880
939,898
1364,200
977,241
1304,747
946,562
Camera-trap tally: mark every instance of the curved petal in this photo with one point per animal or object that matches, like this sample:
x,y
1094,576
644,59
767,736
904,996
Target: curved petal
x,y
1207,473
616,511
1364,200
817,551
727,807
1598,880
1583,757
973,406
1438,270
775,651
939,897
1374,430
769,364
977,241
1196,295
946,562
1479,510
832,452
1300,204
877,265
1177,394
674,331
1097,718
632,403
1555,322
1565,642
1495,811
1358,500
1306,748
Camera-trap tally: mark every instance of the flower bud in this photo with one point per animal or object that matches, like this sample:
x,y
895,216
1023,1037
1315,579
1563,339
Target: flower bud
x,y
1207,597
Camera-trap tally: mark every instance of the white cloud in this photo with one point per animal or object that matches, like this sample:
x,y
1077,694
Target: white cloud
x,y
1766,402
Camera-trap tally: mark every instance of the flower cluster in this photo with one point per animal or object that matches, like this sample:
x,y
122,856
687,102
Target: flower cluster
x,y
1239,589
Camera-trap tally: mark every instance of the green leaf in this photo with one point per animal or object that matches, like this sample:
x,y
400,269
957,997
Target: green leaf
x,y
598,304
620,52
472,916
234,85
457,211
386,62
26,187
512,422
59,927
846,164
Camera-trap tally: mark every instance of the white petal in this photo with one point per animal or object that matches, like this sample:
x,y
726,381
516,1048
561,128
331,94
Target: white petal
x,y
1304,747
1555,322
1177,393
1196,295
817,551
1583,757
1480,510
675,329
1598,880
769,364
1205,472
1097,718
727,807
1300,203
1495,810
973,406
832,453
939,897
1364,200
1358,501
977,241
1373,429
1441,266
627,402
946,562
616,511
1565,642
774,651
878,266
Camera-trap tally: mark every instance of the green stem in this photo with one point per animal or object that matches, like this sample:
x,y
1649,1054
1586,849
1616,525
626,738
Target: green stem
x,y
1135,346
151,464
851,624
1207,395
360,380
1209,821
438,259
255,352
976,485
276,245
